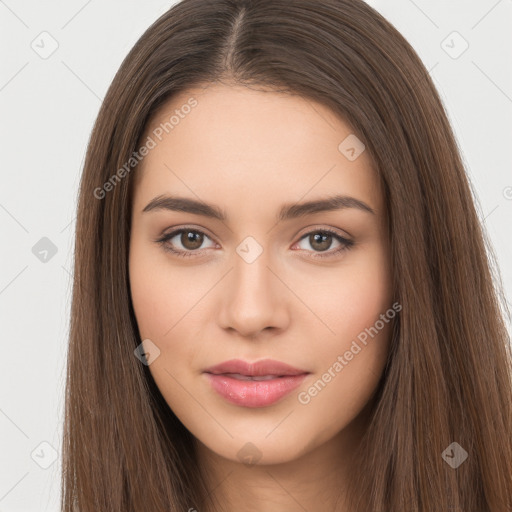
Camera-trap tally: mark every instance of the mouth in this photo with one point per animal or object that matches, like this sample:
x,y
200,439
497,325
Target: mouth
x,y
257,384
267,368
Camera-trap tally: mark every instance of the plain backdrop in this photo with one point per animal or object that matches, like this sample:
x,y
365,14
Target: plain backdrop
x,y
48,103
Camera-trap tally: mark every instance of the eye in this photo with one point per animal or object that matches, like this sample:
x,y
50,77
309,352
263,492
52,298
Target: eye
x,y
190,240
321,240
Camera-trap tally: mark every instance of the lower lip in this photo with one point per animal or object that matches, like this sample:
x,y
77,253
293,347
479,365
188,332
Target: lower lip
x,y
254,393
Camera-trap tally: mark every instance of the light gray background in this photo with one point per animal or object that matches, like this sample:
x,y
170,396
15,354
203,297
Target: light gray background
x,y
48,107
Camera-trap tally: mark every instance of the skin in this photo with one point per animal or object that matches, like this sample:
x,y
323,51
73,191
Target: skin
x,y
249,152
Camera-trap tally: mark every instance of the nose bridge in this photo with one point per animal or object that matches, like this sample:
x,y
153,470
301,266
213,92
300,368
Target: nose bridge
x,y
251,272
253,295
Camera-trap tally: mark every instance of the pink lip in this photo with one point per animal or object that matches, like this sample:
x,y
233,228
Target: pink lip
x,y
263,367
254,393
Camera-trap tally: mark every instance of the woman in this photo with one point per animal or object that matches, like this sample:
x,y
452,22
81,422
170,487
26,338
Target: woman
x,y
283,298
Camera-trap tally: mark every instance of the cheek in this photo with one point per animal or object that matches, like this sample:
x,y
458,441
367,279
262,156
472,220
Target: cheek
x,y
353,298
165,302
151,303
351,355
160,302
161,296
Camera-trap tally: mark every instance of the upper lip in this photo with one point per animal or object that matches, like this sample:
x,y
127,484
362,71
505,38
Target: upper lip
x,y
258,368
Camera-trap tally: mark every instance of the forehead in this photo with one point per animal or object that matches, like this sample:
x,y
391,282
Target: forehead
x,y
251,147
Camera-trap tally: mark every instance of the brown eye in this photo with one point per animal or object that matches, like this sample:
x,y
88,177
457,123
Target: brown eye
x,y
184,242
322,240
191,240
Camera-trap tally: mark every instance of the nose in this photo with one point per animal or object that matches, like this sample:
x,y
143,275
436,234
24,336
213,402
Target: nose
x,y
253,298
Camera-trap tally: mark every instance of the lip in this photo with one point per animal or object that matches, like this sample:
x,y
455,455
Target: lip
x,y
258,368
254,393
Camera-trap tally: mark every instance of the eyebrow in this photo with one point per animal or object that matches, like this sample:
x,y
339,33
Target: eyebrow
x,y
287,211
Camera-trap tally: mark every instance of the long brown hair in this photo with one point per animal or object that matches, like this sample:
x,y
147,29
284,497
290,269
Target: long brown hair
x,y
448,377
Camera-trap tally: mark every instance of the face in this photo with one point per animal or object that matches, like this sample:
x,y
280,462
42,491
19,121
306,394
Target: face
x,y
258,275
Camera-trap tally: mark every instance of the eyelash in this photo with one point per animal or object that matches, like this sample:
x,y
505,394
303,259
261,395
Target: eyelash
x,y
346,243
